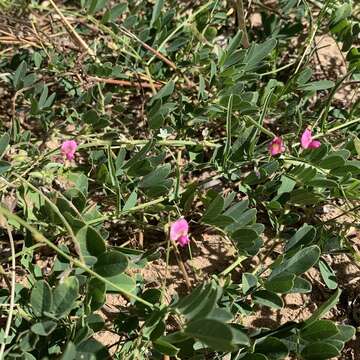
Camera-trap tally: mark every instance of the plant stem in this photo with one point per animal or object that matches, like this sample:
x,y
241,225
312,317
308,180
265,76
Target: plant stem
x,y
73,32
242,23
12,293
135,208
175,143
181,266
231,267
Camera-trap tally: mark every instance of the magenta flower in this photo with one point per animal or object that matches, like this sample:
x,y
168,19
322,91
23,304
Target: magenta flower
x,y
307,141
68,149
179,232
276,146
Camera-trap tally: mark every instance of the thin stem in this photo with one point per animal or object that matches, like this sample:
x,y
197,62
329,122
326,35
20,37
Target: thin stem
x,y
242,22
72,31
174,143
355,208
12,293
182,266
135,208
231,267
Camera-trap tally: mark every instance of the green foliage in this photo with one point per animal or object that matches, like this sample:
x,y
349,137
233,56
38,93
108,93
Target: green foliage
x,y
173,116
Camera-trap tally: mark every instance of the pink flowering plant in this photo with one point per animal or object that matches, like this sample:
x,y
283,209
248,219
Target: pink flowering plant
x,y
211,211
179,232
307,141
68,149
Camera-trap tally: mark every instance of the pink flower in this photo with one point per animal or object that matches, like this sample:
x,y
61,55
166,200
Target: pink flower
x,y
179,232
276,146
307,141
68,149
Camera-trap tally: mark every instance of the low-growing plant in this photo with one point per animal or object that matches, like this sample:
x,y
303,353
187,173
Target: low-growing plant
x,y
132,129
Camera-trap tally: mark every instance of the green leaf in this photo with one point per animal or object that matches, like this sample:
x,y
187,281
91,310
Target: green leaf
x,y
111,14
91,349
65,295
96,293
257,53
319,330
323,183
156,183
187,301
95,322
319,351
4,143
245,238
351,167
156,11
304,76
332,162
28,342
248,282
346,332
357,145
204,304
70,352
299,263
287,185
111,263
164,347
41,298
158,113
305,235
280,284
122,280
239,337
214,334
165,91
301,286
237,210
273,348
4,166
214,209
220,314
90,241
304,197
317,85
130,202
324,308
96,5
43,96
244,219
90,117
328,275
268,298
342,12
44,328
19,75
235,42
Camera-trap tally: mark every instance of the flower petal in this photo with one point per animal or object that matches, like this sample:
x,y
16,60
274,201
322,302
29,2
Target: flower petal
x,y
183,240
276,146
314,144
68,149
306,139
179,228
